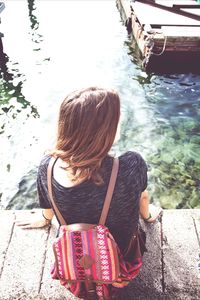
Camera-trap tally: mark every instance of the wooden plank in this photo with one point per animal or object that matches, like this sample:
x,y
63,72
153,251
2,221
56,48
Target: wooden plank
x,y
154,16
152,259
148,285
51,287
195,11
196,219
126,7
192,6
178,44
180,252
6,230
172,2
23,266
158,26
176,31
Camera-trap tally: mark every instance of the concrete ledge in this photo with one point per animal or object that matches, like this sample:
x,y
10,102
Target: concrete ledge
x,y
169,272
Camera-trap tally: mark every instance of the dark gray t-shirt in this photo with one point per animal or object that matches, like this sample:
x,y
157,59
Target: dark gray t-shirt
x,y
83,203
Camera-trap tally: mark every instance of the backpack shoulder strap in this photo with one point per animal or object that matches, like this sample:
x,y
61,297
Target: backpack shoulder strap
x,y
108,197
49,184
110,190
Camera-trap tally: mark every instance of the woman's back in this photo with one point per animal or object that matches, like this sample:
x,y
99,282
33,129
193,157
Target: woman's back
x,y
83,202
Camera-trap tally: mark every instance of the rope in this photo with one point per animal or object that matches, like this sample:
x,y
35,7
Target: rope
x,y
150,44
163,49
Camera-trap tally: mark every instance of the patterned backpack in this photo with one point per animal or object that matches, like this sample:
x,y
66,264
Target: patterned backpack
x,y
87,258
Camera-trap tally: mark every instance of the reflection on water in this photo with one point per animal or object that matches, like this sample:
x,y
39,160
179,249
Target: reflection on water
x,y
69,49
36,37
13,106
12,100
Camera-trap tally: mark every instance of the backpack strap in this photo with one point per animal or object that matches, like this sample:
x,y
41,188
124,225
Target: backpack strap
x,y
110,191
108,197
49,184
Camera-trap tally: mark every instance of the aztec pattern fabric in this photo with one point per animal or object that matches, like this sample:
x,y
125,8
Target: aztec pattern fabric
x,y
107,292
93,254
87,254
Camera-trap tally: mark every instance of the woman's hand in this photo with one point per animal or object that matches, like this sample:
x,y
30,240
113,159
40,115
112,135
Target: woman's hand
x,y
37,221
33,224
149,212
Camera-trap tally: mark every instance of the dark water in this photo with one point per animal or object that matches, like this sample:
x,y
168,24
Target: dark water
x,y
53,47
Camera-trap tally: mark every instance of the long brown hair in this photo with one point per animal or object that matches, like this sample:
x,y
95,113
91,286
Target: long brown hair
x,y
87,126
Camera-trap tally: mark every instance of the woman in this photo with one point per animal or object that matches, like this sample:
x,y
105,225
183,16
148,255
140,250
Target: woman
x,y
87,128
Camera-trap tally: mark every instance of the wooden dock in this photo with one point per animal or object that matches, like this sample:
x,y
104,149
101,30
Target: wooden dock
x,y
170,268
167,33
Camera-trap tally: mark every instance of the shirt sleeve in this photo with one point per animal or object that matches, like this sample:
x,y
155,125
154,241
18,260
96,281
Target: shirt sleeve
x,y
42,189
137,171
143,173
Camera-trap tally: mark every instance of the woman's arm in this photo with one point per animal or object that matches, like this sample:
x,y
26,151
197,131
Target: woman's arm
x,y
149,212
144,205
38,221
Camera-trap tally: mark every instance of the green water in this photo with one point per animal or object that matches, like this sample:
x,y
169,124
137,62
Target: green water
x,y
53,47
172,141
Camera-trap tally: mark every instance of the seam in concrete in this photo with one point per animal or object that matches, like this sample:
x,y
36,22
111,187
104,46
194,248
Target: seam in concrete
x,y
195,227
6,251
44,259
162,255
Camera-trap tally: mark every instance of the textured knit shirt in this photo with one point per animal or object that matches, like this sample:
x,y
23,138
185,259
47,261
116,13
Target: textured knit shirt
x,y
83,203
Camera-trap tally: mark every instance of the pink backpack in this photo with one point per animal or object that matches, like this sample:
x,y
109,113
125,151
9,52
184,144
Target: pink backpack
x,y
87,258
